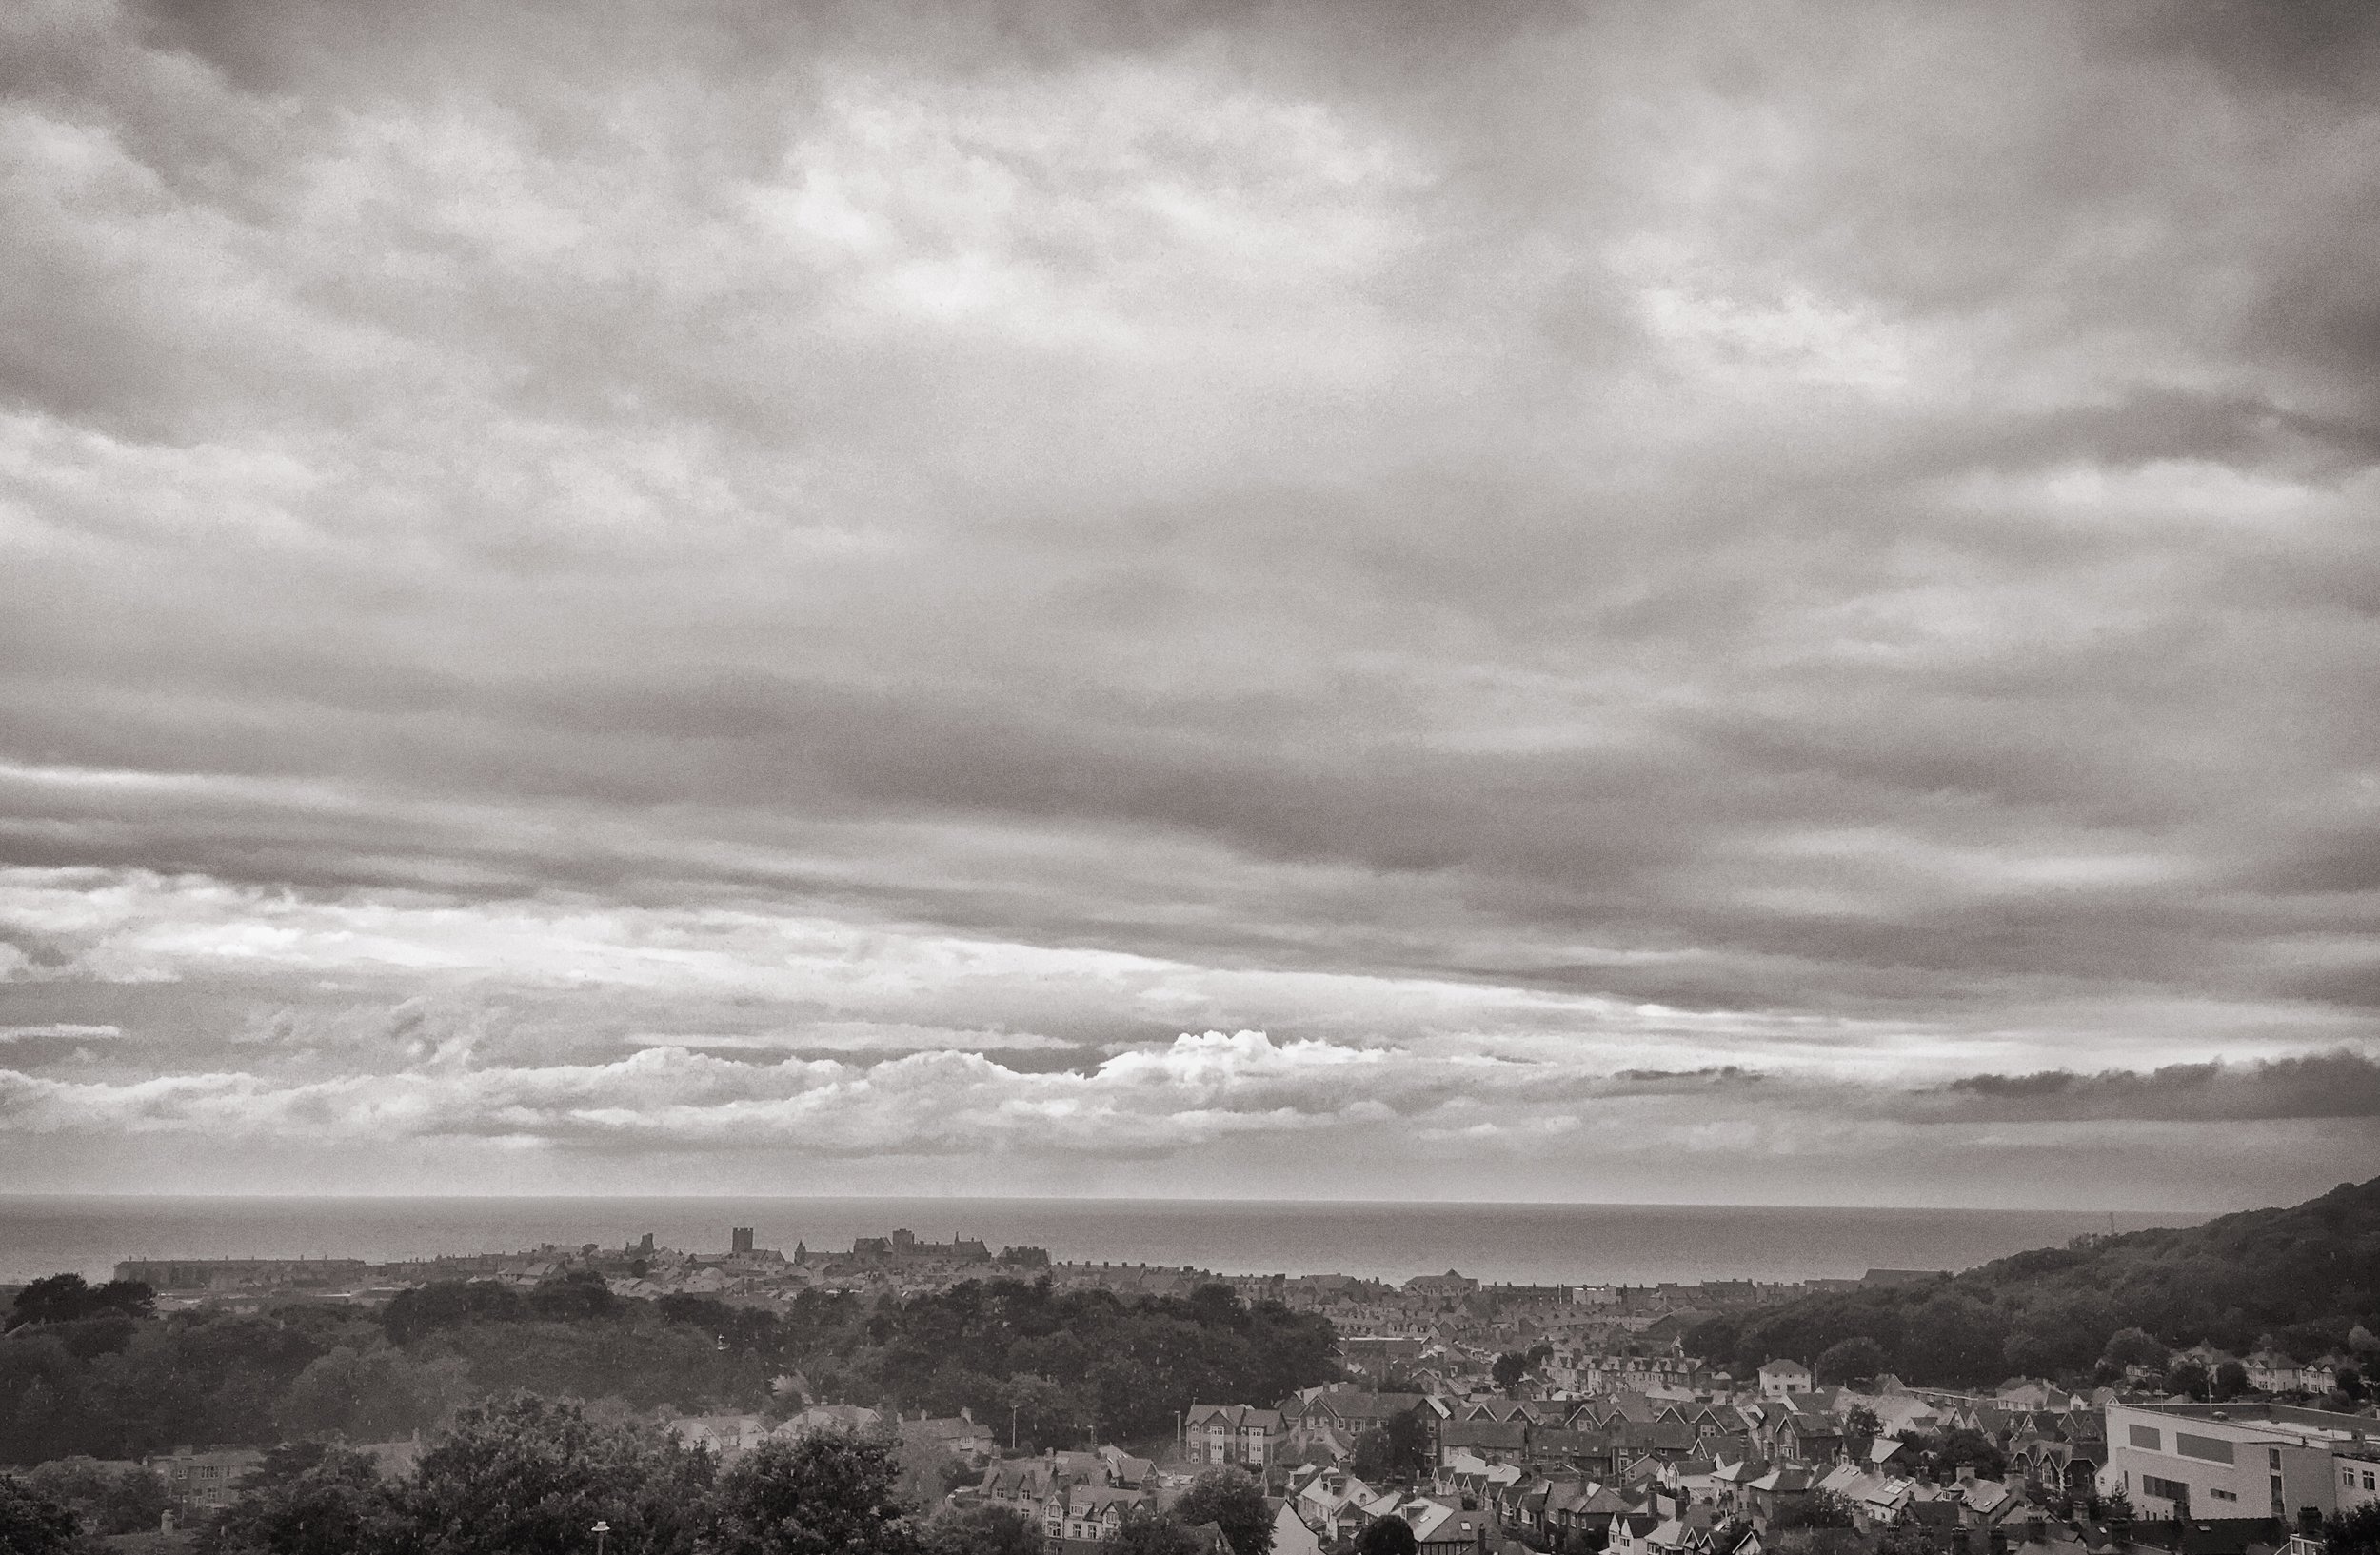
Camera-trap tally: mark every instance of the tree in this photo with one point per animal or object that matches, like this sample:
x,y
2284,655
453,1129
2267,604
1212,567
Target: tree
x,y
980,1530
306,1499
2313,1270
524,1475
31,1524
449,1304
1232,1500
2188,1378
930,1471
1510,1367
2229,1382
1973,1448
576,1297
827,1493
1854,1359
1953,1449
42,1399
1147,1532
375,1395
1862,1421
1387,1536
66,1298
114,1501
1397,1449
2129,1348
2354,1533
1818,1509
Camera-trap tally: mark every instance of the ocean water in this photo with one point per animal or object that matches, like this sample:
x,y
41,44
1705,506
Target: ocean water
x,y
1528,1244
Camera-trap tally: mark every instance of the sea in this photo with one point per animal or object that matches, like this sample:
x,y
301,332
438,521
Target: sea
x,y
1528,1244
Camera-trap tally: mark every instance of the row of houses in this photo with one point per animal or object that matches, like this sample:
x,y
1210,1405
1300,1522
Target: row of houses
x,y
1079,1500
1797,1424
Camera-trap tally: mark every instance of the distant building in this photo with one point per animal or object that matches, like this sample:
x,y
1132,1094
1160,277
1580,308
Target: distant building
x,y
1877,1278
853,1418
728,1435
1379,1353
962,1436
206,1482
241,1273
740,1239
902,1246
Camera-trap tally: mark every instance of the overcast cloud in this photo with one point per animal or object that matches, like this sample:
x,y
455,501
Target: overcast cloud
x,y
1504,601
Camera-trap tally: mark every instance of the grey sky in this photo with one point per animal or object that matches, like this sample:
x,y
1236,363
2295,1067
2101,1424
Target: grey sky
x,y
1663,601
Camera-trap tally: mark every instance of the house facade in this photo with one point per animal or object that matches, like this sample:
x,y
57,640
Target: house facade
x,y
1781,1380
1087,1513
2239,1460
206,1482
1234,1433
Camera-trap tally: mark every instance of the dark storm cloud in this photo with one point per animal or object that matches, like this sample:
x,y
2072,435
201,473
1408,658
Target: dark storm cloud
x,y
2339,1085
1757,549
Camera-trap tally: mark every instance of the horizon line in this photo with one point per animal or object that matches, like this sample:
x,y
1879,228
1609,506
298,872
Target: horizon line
x,y
9,1195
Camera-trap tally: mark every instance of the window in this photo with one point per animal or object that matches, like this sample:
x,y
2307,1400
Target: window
x,y
2164,1489
2213,1449
2150,1437
2223,1495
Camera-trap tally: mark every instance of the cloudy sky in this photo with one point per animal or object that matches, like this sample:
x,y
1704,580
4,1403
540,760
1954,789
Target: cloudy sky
x,y
1748,604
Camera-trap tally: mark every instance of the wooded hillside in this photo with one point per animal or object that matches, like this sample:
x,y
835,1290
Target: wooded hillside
x,y
2307,1276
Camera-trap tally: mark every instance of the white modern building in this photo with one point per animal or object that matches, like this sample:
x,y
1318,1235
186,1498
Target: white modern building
x,y
2240,1459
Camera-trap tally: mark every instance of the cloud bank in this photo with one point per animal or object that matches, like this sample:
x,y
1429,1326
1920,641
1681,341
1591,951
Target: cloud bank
x,y
1647,604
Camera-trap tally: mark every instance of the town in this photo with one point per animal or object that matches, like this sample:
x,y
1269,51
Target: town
x,y
1470,1416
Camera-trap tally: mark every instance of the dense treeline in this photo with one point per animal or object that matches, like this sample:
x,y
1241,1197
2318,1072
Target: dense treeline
x,y
524,1475
1078,1365
109,1380
2307,1277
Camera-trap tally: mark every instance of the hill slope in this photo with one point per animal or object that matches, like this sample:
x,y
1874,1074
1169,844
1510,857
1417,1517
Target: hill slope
x,y
2306,1275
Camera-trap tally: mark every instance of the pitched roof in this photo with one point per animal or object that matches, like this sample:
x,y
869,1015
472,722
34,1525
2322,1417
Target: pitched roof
x,y
1784,1482
1236,1416
1094,1500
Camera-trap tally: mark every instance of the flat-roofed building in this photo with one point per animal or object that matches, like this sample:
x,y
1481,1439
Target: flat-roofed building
x,y
2240,1459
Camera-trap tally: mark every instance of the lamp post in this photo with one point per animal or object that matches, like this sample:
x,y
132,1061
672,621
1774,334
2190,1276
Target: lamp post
x,y
600,1528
